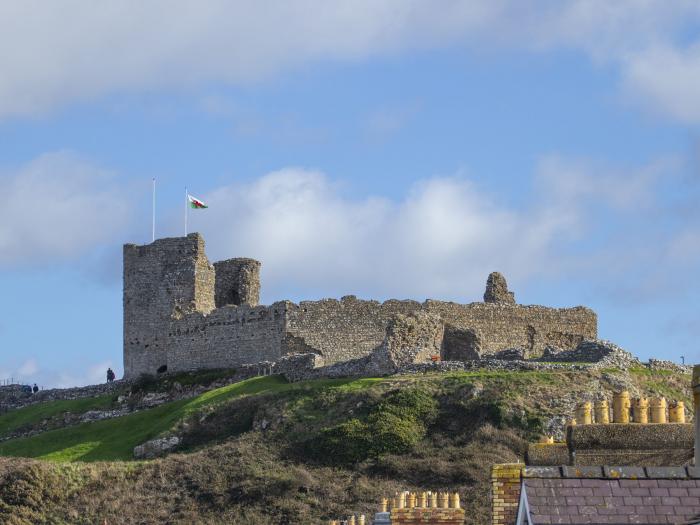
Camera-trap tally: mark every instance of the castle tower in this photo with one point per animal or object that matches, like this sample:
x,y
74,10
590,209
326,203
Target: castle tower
x,y
163,281
237,282
497,290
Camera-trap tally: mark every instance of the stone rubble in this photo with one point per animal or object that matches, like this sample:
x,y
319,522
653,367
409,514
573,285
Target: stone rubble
x,y
156,447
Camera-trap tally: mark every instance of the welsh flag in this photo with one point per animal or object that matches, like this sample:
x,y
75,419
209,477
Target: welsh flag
x,y
196,203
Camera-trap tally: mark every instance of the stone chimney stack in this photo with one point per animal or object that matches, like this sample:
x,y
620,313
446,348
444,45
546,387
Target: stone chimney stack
x,y
696,409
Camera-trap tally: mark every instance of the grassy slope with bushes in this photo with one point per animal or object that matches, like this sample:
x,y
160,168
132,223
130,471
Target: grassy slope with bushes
x,y
268,452
18,419
114,439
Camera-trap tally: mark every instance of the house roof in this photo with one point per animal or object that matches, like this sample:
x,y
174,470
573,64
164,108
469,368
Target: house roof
x,y
610,495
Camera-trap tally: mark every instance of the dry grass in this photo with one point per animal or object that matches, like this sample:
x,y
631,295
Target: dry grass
x,y
235,473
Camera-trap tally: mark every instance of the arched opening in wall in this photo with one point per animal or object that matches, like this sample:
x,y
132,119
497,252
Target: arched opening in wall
x,y
460,344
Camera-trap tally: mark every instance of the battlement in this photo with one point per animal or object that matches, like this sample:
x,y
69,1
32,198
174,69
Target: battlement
x,y
183,313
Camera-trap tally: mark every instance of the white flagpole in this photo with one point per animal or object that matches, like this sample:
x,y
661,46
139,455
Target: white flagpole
x,y
153,224
186,206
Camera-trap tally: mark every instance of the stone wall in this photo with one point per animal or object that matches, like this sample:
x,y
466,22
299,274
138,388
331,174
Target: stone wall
x,y
501,326
351,328
183,313
414,338
11,397
345,329
227,337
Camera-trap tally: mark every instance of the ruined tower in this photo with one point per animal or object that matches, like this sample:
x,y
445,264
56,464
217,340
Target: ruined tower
x,y
163,281
237,282
497,290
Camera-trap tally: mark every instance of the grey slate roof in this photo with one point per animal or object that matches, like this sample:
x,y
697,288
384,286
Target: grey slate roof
x,y
610,495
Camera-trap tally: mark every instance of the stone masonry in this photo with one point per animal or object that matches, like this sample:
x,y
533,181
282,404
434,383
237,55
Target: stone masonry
x,y
497,290
183,313
237,282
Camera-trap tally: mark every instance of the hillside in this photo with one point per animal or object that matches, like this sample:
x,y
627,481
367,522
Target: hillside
x,y
264,451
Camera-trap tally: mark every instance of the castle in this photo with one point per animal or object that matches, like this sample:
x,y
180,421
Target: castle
x,y
183,313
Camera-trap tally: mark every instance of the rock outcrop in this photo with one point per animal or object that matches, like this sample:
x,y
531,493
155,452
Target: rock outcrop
x,y
156,447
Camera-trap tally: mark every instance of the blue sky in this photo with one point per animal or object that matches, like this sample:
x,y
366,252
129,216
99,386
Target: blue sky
x,y
382,148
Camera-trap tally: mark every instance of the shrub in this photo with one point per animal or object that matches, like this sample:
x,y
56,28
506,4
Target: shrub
x,y
391,434
393,426
345,443
411,403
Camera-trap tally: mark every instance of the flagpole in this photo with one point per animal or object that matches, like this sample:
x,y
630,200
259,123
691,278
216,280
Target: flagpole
x,y
186,194
153,223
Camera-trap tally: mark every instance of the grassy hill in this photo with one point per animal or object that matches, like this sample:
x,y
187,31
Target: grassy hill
x,y
265,451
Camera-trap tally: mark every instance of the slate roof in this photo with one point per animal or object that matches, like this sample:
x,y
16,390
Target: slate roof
x,y
610,495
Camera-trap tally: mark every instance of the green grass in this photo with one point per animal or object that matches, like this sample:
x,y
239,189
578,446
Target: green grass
x,y
514,379
115,439
35,413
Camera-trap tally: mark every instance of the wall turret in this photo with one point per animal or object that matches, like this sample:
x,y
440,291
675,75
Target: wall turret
x,y
237,282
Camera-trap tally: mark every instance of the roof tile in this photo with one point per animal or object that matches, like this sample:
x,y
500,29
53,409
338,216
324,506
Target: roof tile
x,y
594,483
663,509
629,483
648,483
603,491
639,491
570,482
613,501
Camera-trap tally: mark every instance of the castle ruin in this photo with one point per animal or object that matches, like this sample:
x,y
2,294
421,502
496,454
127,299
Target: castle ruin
x,y
182,313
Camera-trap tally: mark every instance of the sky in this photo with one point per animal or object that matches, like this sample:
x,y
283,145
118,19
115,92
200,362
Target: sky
x,y
381,148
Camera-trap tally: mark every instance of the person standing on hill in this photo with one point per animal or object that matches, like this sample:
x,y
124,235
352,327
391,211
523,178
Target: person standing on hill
x,y
110,375
35,388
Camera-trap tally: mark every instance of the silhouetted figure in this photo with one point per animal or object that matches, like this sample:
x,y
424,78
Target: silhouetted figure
x,y
35,388
110,375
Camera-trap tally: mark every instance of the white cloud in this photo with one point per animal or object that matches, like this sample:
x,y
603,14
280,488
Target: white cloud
x,y
443,237
58,207
667,78
54,53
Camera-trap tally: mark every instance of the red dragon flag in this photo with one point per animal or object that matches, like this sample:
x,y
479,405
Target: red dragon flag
x,y
196,203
